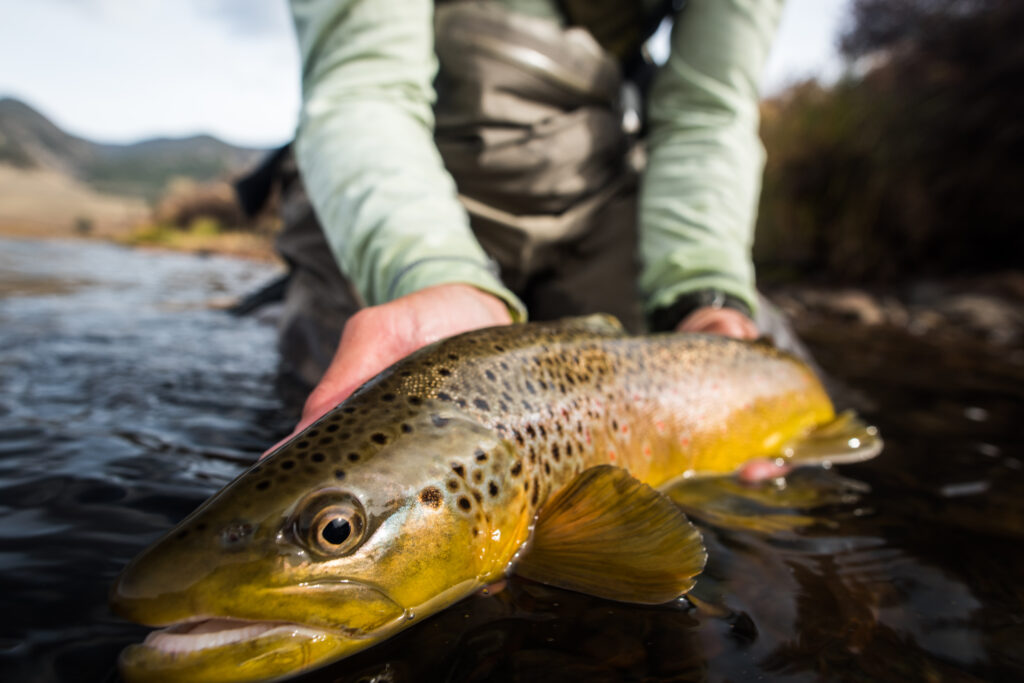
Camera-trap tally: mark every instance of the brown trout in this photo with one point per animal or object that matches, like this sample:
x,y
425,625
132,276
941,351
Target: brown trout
x,y
528,448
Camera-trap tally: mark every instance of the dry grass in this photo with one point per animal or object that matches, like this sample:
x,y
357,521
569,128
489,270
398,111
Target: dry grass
x,y
42,203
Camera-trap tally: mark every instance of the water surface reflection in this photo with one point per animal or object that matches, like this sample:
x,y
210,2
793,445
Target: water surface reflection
x,y
125,400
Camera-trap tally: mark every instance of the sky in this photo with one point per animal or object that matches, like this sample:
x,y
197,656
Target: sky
x,y
124,70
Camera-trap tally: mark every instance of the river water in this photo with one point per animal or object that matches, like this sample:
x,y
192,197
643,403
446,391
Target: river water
x,y
127,397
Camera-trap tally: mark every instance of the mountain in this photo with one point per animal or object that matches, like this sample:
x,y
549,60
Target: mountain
x,y
31,142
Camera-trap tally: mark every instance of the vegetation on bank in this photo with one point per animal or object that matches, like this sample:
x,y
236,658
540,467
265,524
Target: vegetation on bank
x,y
912,167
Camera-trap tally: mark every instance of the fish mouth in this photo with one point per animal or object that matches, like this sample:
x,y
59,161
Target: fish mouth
x,y
195,635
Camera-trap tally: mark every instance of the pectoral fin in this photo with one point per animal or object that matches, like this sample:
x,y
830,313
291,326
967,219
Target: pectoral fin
x,y
845,439
610,535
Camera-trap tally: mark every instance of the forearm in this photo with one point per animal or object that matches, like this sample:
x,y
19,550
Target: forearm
x,y
366,151
700,189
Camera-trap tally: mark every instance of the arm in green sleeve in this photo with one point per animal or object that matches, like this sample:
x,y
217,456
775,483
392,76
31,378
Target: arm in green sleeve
x,y
700,189
366,151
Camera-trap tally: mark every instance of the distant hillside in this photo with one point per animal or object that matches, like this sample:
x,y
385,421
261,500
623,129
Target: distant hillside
x,y
31,142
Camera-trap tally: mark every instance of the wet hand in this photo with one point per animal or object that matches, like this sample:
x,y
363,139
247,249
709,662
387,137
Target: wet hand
x,y
727,322
378,336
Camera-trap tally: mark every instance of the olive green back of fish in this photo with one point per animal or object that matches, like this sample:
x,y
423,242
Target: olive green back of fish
x,y
580,393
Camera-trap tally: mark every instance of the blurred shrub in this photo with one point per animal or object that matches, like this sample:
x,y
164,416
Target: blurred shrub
x,y
915,167
187,202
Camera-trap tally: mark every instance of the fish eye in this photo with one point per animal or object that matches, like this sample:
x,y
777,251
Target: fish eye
x,y
330,527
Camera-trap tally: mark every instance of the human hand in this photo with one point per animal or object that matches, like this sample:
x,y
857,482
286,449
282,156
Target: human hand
x,y
727,322
377,336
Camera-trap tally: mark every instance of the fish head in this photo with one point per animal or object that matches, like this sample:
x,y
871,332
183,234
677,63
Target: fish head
x,y
316,552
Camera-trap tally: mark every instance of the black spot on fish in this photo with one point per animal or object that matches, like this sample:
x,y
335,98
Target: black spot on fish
x,y
543,432
529,387
453,356
287,464
414,400
547,467
490,375
442,396
519,437
459,470
317,457
339,474
531,431
313,433
302,445
379,438
555,452
444,372
353,457
478,476
406,428
389,397
181,534
517,468
568,448
464,503
476,532
461,403
503,365
331,428
326,440
481,404
499,347
453,485
534,496
492,488
481,456
478,496
431,497
263,485
438,420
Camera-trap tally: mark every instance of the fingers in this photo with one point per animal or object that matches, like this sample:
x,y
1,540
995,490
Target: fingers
x,y
378,336
724,321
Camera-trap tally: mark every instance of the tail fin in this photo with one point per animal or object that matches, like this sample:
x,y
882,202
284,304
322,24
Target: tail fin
x,y
845,439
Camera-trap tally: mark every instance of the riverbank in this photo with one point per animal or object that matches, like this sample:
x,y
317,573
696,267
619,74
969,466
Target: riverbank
x,y
984,309
197,240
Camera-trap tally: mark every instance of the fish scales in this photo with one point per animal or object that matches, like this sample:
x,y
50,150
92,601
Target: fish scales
x,y
430,477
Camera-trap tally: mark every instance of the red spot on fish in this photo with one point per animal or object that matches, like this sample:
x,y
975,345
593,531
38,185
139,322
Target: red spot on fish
x,y
660,426
647,451
685,441
625,429
611,455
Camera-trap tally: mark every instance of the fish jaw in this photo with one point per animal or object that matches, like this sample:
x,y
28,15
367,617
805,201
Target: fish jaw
x,y
235,651
253,635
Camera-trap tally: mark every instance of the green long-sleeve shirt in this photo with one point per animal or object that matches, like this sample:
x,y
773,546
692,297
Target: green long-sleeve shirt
x,y
389,207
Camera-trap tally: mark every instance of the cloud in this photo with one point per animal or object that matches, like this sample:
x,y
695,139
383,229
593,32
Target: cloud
x,y
246,18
